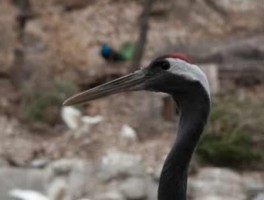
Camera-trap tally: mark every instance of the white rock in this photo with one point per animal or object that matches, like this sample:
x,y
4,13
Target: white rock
x,y
134,188
70,178
87,124
21,178
57,189
71,116
217,183
27,195
128,132
212,197
39,163
79,124
111,195
115,164
92,120
84,199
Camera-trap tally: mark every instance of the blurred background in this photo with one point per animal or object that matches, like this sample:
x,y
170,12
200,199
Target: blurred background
x,y
114,148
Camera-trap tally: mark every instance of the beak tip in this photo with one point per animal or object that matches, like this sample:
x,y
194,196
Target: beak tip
x,y
66,103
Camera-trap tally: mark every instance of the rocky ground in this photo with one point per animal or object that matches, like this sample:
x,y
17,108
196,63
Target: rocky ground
x,y
119,155
98,158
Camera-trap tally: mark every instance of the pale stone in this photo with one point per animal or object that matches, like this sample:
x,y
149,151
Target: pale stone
x,y
134,188
111,195
24,179
128,133
217,183
118,164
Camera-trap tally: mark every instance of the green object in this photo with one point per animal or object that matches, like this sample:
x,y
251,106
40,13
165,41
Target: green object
x,y
220,150
37,103
127,51
227,141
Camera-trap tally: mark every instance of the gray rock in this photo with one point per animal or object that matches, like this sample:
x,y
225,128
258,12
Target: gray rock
x,y
215,197
152,189
10,126
28,179
259,197
82,180
253,184
40,163
111,195
157,172
118,164
3,163
63,167
19,194
134,188
239,5
216,183
57,189
71,178
158,169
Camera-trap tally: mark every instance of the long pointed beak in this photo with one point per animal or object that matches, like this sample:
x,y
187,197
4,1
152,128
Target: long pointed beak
x,y
130,82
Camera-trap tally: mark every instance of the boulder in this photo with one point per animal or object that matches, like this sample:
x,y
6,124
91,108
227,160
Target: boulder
x,y
253,183
259,197
227,15
10,129
117,164
39,163
127,132
72,178
239,5
152,189
27,179
239,59
27,195
134,188
3,163
217,183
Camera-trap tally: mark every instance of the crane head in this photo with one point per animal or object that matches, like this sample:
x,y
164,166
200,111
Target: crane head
x,y
172,73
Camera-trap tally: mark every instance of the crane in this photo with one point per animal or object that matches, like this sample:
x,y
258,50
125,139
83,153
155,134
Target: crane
x,y
175,75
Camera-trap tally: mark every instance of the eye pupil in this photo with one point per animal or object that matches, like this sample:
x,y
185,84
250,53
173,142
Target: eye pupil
x,y
165,65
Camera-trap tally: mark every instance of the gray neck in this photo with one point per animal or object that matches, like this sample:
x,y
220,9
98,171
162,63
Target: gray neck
x,y
194,110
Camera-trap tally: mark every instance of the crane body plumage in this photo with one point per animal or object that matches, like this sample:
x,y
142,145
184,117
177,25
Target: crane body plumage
x,y
187,84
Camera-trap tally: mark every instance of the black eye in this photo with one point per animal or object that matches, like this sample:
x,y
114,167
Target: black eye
x,y
165,65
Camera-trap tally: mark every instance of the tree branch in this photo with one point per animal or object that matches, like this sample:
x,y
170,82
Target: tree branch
x,y
144,26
